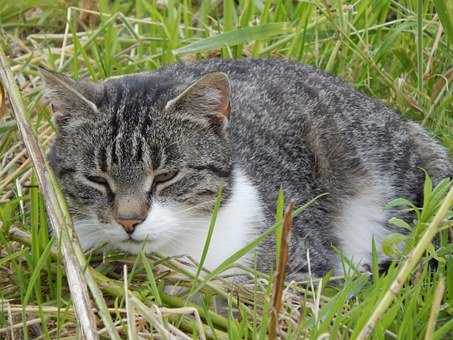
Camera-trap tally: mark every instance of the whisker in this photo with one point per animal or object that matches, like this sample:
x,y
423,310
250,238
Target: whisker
x,y
196,206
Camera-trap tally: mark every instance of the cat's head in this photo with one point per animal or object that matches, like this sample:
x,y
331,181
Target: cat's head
x,y
140,157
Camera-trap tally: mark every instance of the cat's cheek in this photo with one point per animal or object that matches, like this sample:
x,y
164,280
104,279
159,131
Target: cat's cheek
x,y
92,233
159,226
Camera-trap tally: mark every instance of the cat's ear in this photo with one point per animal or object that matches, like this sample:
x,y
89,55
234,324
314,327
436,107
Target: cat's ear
x,y
208,96
69,98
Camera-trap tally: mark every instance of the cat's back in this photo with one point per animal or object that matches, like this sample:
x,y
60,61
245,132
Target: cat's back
x,y
279,107
293,119
269,86
280,96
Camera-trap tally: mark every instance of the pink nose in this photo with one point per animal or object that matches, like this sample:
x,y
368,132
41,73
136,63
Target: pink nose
x,y
129,224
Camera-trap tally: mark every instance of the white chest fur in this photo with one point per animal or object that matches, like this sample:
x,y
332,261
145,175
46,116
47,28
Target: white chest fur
x,y
362,219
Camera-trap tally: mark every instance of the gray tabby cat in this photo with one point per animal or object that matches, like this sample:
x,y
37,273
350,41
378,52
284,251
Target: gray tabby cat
x,y
141,158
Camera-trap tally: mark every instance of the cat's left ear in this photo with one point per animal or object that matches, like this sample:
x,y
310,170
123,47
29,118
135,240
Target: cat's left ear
x,y
70,99
208,96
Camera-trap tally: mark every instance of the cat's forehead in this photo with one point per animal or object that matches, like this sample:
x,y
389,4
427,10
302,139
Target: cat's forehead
x,y
126,145
138,141
130,157
137,93
133,131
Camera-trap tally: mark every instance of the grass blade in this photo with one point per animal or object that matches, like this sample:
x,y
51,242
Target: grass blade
x,y
406,268
207,242
444,10
249,247
233,38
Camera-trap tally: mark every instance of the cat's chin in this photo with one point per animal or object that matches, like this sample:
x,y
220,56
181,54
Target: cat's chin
x,y
133,246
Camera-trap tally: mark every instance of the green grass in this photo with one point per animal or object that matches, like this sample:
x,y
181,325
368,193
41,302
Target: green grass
x,y
397,51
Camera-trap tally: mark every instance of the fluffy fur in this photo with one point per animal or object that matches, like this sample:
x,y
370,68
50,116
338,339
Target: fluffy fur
x,y
164,142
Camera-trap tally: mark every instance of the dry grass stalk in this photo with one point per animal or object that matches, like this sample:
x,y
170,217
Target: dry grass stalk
x,y
57,219
116,288
88,18
187,311
153,318
2,102
20,169
10,320
411,261
130,313
10,329
277,293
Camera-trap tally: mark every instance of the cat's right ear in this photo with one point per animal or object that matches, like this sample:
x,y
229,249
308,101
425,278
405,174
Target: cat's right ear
x,y
69,98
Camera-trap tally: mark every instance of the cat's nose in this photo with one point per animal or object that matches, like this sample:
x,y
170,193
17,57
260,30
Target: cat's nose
x,y
129,224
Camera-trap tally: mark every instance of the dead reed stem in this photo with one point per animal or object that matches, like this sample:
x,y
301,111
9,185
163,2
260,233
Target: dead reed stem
x,y
279,281
115,288
57,220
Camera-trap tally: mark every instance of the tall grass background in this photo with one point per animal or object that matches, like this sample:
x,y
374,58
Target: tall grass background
x,y
397,51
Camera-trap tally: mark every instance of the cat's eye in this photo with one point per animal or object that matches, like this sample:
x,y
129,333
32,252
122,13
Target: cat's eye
x,y
165,176
98,180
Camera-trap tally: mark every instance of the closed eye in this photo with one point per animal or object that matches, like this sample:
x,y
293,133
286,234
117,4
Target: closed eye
x,y
165,176
99,180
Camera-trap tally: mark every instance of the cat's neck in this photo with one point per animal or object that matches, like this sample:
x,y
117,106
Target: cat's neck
x,y
238,223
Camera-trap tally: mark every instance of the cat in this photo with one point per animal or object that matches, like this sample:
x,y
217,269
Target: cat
x,y
141,158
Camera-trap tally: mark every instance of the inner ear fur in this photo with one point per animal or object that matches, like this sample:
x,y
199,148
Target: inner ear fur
x,y
209,95
68,97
